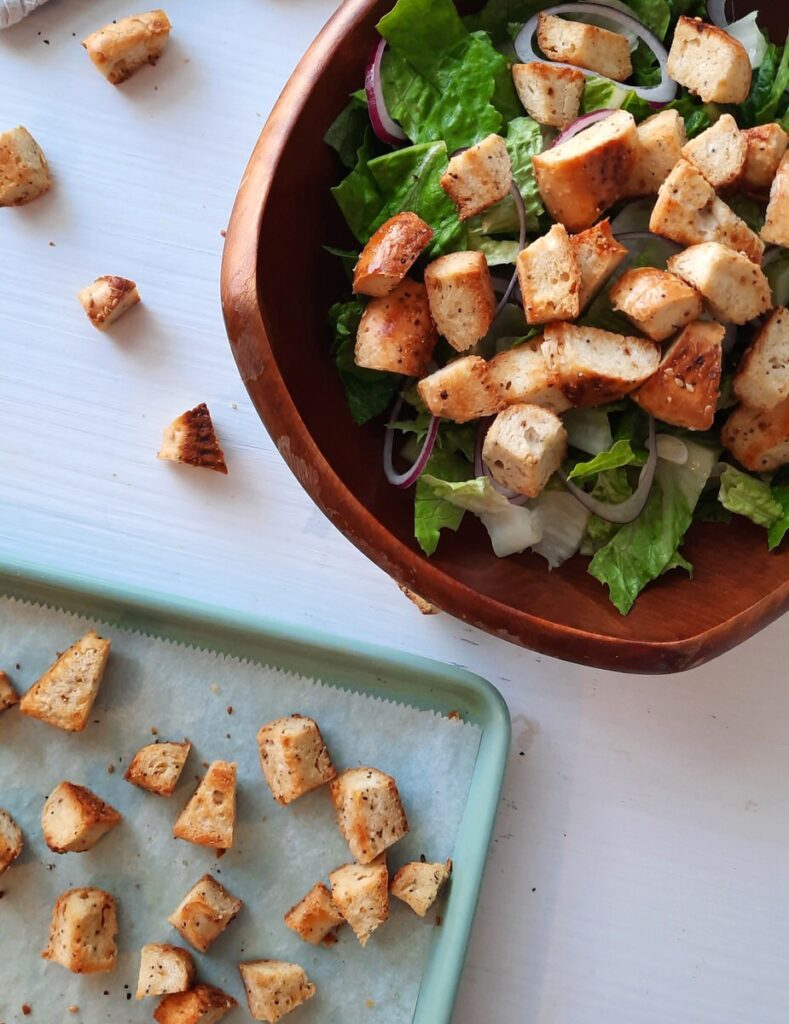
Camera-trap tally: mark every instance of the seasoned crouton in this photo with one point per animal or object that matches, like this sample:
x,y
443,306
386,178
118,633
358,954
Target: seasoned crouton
x,y
293,757
83,930
24,172
688,211
759,438
418,884
660,141
315,918
719,152
550,94
460,293
734,288
460,391
585,46
396,332
580,178
107,299
210,816
524,447
597,254
361,893
202,1004
766,146
549,278
390,254
157,767
10,840
369,811
64,695
686,387
424,606
74,819
762,378
521,374
709,62
274,988
126,45
776,219
164,969
8,695
478,177
657,302
204,913
191,439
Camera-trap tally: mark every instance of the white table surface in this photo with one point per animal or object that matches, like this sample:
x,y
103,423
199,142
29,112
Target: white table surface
x,y
640,869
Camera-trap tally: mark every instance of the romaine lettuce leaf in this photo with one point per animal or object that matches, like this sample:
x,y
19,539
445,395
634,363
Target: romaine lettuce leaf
x,y
749,210
602,94
655,14
588,430
432,513
778,276
768,85
358,195
369,392
780,526
698,116
747,495
524,140
347,132
619,454
612,486
497,16
564,525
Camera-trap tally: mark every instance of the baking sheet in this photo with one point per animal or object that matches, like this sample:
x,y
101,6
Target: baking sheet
x,y
218,703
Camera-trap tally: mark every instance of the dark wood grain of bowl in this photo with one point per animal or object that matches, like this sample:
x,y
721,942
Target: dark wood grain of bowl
x,y
277,284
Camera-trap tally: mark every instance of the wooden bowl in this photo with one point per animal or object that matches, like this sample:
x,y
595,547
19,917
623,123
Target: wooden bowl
x,y
277,284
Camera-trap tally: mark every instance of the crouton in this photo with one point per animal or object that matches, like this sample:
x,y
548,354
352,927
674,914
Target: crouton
x,y
164,969
274,988
315,918
82,932
390,254
424,606
418,884
203,1004
593,367
688,211
74,819
204,913
521,374
719,152
597,254
549,278
361,893
460,391
762,378
107,299
126,45
10,840
524,447
686,387
580,178
369,811
550,94
64,695
293,757
758,438
657,302
776,219
157,767
585,46
210,816
478,177
8,695
24,171
396,332
460,293
191,439
660,141
766,146
734,288
709,62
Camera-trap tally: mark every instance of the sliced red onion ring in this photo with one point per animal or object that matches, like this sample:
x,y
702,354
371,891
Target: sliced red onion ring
x,y
411,475
384,126
578,125
518,198
716,9
481,468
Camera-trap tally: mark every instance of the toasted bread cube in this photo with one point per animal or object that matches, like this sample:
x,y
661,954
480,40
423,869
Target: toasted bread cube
x,y
776,219
524,447
396,332
24,172
478,177
210,816
164,969
585,46
734,288
460,391
759,438
580,178
74,819
460,293
521,374
274,988
203,1004
550,94
762,378
719,152
64,695
157,767
126,45
593,366
686,387
191,439
418,884
424,606
8,695
315,918
107,299
766,146
660,141
688,211
361,893
657,302
293,757
549,278
709,62
369,811
204,913
390,254
83,930
10,840
597,254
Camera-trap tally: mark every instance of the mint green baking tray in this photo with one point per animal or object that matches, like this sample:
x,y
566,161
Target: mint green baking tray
x,y
363,667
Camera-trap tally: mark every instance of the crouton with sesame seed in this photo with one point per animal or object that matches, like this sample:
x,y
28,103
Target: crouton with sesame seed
x,y
204,913
123,47
64,695
82,932
210,816
550,94
549,278
293,757
478,177
361,893
396,332
191,440
74,819
274,988
461,391
758,438
157,767
655,301
24,172
8,695
315,918
762,378
419,883
390,253
11,842
107,299
709,62
164,969
460,293
203,1004
734,288
369,810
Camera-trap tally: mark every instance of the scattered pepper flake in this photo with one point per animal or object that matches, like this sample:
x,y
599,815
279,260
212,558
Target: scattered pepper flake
x,y
230,709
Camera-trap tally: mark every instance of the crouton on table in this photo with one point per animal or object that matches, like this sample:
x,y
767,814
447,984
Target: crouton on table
x,y
274,988
191,439
64,695
521,374
586,46
361,893
293,757
107,299
597,254
523,447
204,913
157,767
660,139
164,969
418,884
758,438
460,391
124,46
74,819
734,288
396,332
10,840
315,918
390,254
82,932
550,94
24,172
762,378
210,816
709,62
369,811
460,293
203,1004
549,278
776,219
478,177
766,146
719,152
8,695
657,302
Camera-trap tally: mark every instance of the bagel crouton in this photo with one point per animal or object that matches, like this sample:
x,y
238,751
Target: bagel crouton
x,y
157,767
521,374
478,177
585,46
460,391
164,969
656,302
390,254
524,447
210,816
766,146
460,293
274,988
734,288
762,378
204,913
659,147
597,254
550,94
709,62
8,695
124,46
776,219
107,299
369,811
549,278
82,932
191,439
64,695
74,819
719,152
361,894
418,884
24,172
315,918
203,1004
396,331
10,840
758,438
293,757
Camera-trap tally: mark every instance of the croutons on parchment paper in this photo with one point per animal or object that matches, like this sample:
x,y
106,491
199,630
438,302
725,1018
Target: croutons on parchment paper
x,y
157,767
10,840
419,883
204,913
293,757
74,819
124,46
369,810
164,969
203,1004
210,816
315,918
523,447
64,695
24,172
274,988
361,893
82,932
8,695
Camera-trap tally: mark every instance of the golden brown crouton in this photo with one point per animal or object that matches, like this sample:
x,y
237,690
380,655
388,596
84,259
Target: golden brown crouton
x,y
585,46
164,969
776,219
24,172
157,767
719,152
210,816
315,918
460,391
274,988
524,447
126,45
521,374
657,302
361,892
10,840
191,439
550,94
424,606
369,811
293,757
107,299
74,819
8,695
418,884
64,695
549,278
204,913
478,177
762,378
390,254
709,62
83,930
758,438
597,254
660,141
202,1004
734,288
396,332
766,146
460,293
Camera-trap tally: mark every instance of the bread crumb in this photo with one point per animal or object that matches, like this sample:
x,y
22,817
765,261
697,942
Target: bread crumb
x,y
154,731
73,1009
369,1003
110,769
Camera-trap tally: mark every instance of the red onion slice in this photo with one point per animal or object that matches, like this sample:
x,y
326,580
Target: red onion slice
x,y
411,475
384,126
578,125
518,198
481,468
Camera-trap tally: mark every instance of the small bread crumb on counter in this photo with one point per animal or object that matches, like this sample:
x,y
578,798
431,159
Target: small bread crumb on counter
x,y
120,49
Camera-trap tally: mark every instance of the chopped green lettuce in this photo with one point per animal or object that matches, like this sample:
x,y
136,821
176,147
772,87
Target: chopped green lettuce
x,y
768,85
698,116
619,454
778,529
655,14
603,94
346,134
747,495
369,392
749,210
588,430
614,487
564,521
778,276
432,513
